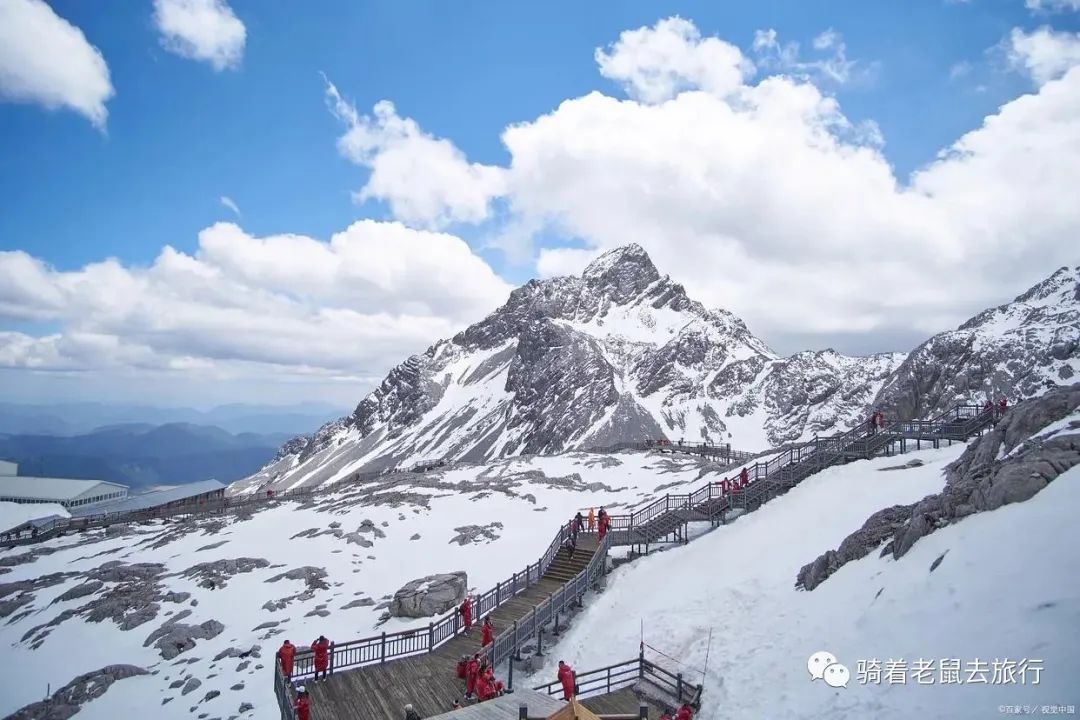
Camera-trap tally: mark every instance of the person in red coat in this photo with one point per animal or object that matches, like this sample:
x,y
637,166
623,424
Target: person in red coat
x,y
321,648
302,706
685,712
566,677
471,671
462,666
466,613
496,685
487,632
484,691
744,477
665,716
603,528
285,655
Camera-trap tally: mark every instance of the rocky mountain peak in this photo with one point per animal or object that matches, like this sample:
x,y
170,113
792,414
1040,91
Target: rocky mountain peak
x,y
622,273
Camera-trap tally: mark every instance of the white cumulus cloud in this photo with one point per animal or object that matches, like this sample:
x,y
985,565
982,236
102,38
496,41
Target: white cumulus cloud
x,y
654,64
831,65
426,181
46,60
284,304
1043,54
205,30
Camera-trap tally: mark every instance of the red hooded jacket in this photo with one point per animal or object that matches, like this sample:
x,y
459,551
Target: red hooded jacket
x,y
285,655
321,648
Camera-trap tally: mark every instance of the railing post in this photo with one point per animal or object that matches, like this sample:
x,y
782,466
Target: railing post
x,y
513,588
431,637
517,644
523,712
382,653
510,674
539,635
678,679
498,594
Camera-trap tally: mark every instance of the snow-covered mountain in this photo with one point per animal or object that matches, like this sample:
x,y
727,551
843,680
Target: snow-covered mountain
x,y
618,354
1017,350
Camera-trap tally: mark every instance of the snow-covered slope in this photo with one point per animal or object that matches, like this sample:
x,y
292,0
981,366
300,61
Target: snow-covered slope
x,y
1017,350
64,611
1006,588
618,354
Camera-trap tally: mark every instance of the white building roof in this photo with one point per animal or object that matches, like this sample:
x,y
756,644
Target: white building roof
x,y
23,486
151,499
8,468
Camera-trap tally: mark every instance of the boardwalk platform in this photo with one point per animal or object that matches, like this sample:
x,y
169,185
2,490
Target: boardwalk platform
x,y
429,681
621,702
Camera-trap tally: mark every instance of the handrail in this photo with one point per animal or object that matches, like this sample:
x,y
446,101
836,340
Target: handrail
x,y
601,681
789,467
389,646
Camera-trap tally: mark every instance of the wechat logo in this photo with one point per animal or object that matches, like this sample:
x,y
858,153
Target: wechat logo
x,y
823,666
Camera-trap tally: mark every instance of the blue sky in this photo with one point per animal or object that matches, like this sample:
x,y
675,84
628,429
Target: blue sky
x,y
182,132
180,135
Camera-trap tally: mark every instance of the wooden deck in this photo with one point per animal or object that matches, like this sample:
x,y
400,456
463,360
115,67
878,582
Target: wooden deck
x,y
429,682
622,702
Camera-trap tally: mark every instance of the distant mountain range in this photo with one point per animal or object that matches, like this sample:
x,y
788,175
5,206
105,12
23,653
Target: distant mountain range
x,y
83,417
143,455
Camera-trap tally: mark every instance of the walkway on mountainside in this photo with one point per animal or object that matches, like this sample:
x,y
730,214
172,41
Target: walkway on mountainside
x,y
429,681
418,667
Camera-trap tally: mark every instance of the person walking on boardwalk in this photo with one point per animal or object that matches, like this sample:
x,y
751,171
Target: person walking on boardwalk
x,y
487,633
471,671
744,477
302,706
462,666
321,648
592,520
1003,405
285,655
466,613
603,530
685,712
411,714
566,677
579,522
484,689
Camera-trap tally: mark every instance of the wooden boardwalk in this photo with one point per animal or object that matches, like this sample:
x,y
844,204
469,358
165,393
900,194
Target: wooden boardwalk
x,y
429,681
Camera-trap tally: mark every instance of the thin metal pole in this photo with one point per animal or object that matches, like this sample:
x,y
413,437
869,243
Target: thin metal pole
x,y
707,649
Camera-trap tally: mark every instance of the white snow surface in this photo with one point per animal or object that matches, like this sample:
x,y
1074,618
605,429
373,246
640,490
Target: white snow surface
x,y
12,514
1007,587
530,510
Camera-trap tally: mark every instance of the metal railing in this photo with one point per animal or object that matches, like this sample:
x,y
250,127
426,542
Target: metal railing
x,y
629,673
787,468
404,643
723,451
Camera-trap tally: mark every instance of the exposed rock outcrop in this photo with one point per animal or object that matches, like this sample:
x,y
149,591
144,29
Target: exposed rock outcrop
x,y
69,699
1034,443
430,596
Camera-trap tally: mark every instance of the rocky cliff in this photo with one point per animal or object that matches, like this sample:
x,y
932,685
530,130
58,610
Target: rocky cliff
x,y
1032,444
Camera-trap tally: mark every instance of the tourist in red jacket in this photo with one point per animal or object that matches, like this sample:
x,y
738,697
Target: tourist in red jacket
x,y
302,706
685,712
285,655
484,691
566,677
487,633
466,613
471,671
321,648
744,477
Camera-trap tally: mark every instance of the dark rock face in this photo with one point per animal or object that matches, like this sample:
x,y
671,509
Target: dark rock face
x,y
1009,464
68,700
214,575
1018,350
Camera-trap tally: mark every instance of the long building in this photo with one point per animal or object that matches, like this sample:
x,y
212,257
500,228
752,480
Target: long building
x,y
62,491
181,496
